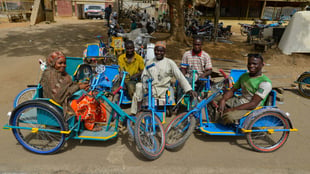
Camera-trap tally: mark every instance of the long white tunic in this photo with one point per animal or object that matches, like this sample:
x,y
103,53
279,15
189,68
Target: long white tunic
x,y
162,73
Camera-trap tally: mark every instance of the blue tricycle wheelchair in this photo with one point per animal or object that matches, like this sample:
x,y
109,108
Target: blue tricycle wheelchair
x,y
199,85
39,125
266,128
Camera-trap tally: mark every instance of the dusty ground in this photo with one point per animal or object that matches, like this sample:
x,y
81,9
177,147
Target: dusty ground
x,y
22,45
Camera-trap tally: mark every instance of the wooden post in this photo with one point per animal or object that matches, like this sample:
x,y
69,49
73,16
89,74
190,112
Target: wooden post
x,y
247,10
2,5
216,18
263,9
6,6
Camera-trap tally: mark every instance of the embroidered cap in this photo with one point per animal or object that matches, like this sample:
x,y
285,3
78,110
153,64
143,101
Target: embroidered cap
x,y
160,44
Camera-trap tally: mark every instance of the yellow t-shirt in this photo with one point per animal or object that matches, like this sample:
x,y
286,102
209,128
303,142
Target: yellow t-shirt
x,y
134,67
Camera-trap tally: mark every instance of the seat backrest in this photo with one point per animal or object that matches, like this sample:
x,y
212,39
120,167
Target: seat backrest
x,y
271,99
111,71
117,43
92,50
236,73
72,64
39,92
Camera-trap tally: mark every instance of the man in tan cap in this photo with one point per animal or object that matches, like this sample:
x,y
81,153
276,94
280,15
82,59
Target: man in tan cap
x,y
162,72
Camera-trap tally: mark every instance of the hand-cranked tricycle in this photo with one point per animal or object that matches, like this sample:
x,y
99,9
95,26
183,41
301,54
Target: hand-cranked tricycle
x,y
40,126
266,128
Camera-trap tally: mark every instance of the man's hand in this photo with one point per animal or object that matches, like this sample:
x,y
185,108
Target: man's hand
x,y
135,77
84,85
192,93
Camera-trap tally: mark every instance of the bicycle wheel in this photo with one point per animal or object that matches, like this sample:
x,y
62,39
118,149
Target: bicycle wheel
x,y
39,125
243,31
24,95
150,141
304,85
268,141
178,131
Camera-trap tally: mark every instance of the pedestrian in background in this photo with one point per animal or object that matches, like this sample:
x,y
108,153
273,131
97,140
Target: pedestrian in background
x,y
108,12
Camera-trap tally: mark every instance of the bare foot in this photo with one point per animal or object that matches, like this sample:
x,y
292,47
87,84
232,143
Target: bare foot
x,y
97,128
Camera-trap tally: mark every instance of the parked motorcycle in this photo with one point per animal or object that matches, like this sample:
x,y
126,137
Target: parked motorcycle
x,y
141,39
207,30
245,28
113,30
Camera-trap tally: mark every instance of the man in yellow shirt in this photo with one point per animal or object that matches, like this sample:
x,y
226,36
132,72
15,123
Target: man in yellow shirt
x,y
132,63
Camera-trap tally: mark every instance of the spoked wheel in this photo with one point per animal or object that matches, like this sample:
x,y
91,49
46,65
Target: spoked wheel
x,y
243,31
149,136
179,130
84,71
270,140
304,85
39,126
24,95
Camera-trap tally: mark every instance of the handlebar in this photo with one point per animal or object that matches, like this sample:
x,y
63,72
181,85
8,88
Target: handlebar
x,y
224,74
117,90
149,66
185,65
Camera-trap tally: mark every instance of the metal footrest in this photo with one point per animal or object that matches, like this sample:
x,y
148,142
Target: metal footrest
x,y
218,129
101,135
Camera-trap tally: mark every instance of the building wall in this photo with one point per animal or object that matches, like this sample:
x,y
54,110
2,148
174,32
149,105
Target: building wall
x,y
241,8
64,8
249,9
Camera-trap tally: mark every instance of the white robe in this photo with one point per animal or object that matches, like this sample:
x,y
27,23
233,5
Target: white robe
x,y
162,73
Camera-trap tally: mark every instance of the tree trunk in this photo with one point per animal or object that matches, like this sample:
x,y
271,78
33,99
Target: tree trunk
x,y
216,19
177,21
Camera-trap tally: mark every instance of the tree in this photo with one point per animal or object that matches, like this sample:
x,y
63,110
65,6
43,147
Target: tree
x,y
176,10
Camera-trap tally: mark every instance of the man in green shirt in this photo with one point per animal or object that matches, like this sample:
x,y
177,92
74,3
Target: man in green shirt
x,y
255,88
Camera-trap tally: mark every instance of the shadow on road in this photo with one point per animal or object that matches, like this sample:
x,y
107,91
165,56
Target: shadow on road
x,y
41,40
239,141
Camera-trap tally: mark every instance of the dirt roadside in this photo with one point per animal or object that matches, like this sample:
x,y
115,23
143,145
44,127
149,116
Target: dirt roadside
x,y
21,47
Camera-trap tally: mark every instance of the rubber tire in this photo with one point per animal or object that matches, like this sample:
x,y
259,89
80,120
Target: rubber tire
x,y
28,91
81,72
243,31
302,78
138,137
54,113
276,145
185,136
